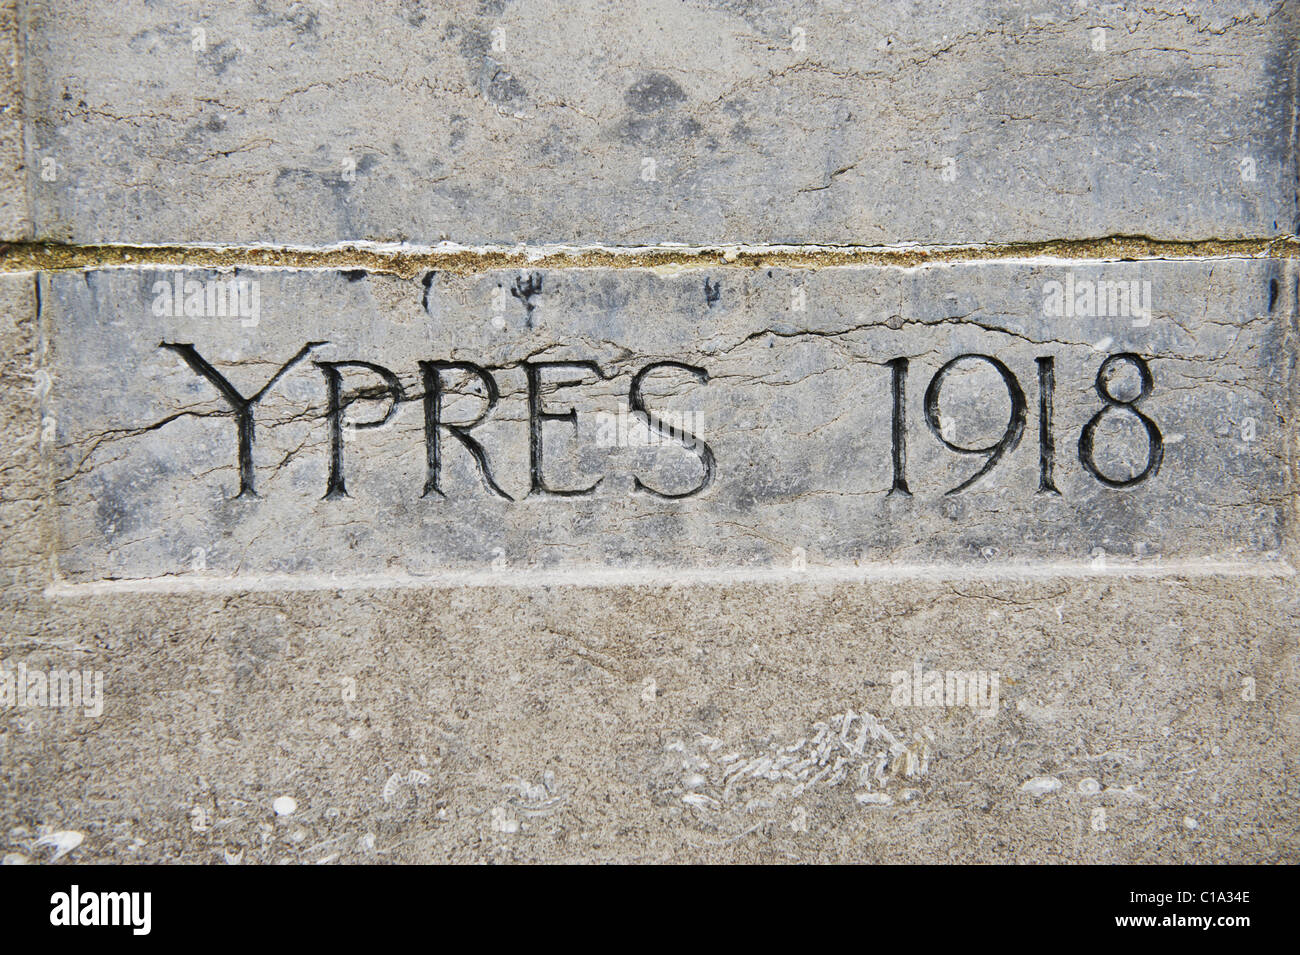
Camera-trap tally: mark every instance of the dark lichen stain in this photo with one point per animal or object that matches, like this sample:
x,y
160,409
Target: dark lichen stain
x,y
712,291
219,56
496,83
427,282
457,136
652,93
298,15
502,88
525,290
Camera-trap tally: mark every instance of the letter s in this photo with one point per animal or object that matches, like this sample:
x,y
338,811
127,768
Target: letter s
x,y
688,440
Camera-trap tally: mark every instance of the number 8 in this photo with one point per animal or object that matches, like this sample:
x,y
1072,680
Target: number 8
x,y
1155,442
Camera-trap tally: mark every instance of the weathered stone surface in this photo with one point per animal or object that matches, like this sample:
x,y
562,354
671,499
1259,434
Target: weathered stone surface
x,y
704,122
14,219
369,679
24,492
1139,720
787,430
575,723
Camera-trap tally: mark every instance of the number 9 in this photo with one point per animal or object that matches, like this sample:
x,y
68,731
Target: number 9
x,y
1015,422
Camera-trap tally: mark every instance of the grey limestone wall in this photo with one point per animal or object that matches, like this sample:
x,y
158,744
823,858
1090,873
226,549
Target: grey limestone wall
x,y
705,431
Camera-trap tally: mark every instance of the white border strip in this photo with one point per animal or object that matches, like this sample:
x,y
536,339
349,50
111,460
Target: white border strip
x,y
599,577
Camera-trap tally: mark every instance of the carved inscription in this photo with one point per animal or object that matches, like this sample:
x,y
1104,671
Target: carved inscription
x,y
338,397
708,418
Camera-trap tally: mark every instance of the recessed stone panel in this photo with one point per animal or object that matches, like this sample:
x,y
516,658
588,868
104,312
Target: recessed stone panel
x,y
670,420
